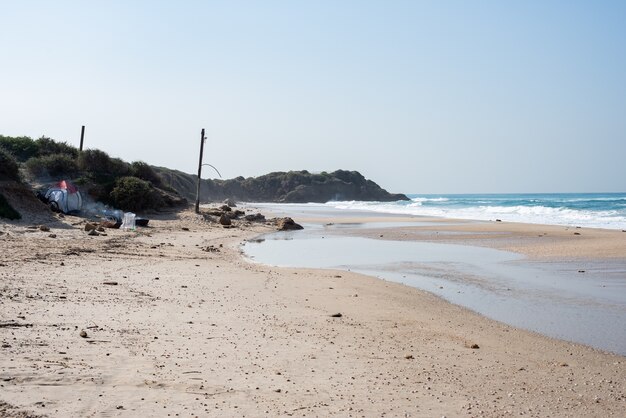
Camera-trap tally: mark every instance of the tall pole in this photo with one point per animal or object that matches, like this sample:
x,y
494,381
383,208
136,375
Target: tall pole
x,y
199,171
82,137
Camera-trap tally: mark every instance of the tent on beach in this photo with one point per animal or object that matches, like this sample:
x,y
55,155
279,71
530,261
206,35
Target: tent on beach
x,y
64,197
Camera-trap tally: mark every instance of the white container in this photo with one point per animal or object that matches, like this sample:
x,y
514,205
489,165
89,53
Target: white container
x,y
128,223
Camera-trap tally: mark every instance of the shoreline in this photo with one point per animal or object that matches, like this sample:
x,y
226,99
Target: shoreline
x,y
535,241
192,328
458,272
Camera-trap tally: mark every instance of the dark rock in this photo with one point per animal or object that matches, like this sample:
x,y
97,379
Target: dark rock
x,y
110,283
337,315
474,347
52,236
90,227
83,334
225,208
257,217
225,220
288,224
44,228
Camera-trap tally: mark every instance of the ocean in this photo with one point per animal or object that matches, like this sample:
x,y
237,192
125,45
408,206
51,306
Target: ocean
x,y
593,210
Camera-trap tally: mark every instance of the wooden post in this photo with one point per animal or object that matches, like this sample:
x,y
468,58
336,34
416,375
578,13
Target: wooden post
x,y
199,171
82,137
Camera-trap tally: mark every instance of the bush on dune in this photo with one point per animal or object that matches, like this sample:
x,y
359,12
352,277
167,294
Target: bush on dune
x,y
145,172
21,147
100,164
55,165
47,146
135,194
9,169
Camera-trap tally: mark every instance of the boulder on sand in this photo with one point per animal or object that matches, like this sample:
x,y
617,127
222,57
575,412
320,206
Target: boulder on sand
x,y
288,224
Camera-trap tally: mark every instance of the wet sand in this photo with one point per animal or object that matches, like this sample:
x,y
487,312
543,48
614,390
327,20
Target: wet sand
x,y
192,329
565,300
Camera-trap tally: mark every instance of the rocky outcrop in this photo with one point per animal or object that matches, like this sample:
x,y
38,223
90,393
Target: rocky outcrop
x,y
288,224
281,187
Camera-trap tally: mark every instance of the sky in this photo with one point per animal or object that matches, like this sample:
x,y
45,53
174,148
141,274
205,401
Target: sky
x,y
419,96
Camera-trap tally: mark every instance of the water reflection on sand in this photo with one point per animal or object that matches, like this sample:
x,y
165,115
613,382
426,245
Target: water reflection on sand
x,y
551,298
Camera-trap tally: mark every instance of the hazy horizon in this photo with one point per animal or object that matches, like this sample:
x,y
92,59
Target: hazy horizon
x,y
421,97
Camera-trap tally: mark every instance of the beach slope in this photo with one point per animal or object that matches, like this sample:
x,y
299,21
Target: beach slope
x,y
172,321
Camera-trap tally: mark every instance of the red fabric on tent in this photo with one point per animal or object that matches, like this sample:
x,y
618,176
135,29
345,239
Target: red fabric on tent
x,y
64,184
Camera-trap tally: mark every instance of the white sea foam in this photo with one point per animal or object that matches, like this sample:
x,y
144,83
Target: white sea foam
x,y
526,214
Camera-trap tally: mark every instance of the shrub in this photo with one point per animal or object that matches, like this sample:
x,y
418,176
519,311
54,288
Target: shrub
x,y
47,146
145,172
135,194
55,165
7,211
9,169
119,168
100,164
21,147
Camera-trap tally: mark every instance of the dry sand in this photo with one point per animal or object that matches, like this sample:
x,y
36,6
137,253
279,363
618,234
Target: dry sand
x,y
177,323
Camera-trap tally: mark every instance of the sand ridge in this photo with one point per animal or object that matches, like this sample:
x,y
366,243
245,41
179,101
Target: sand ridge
x,y
190,328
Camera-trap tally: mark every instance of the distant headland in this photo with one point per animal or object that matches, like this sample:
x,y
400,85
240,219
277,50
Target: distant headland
x,y
281,187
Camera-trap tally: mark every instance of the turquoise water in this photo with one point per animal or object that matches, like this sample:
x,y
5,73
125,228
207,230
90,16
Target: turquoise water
x,y
594,210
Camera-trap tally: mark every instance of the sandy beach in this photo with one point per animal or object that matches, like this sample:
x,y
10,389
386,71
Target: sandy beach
x,y
171,320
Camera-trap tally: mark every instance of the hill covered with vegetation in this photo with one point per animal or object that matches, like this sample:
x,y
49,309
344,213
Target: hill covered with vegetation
x,y
129,186
281,187
138,186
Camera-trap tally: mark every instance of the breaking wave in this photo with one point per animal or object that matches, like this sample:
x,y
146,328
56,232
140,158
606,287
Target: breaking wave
x,y
585,210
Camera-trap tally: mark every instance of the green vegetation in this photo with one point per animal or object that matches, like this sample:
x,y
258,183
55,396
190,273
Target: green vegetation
x,y
9,169
109,180
135,194
99,165
47,146
22,147
54,165
145,172
291,186
7,211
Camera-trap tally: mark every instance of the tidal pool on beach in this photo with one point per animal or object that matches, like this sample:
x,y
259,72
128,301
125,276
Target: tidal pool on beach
x,y
549,298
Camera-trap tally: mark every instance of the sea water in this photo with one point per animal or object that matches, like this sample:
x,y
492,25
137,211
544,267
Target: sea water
x,y
594,210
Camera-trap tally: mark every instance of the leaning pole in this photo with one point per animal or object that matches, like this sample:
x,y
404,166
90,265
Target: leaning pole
x,y
199,171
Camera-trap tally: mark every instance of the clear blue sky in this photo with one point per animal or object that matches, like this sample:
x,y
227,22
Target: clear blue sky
x,y
422,97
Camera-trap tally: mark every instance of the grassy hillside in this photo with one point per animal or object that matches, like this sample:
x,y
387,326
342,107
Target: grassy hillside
x,y
128,186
